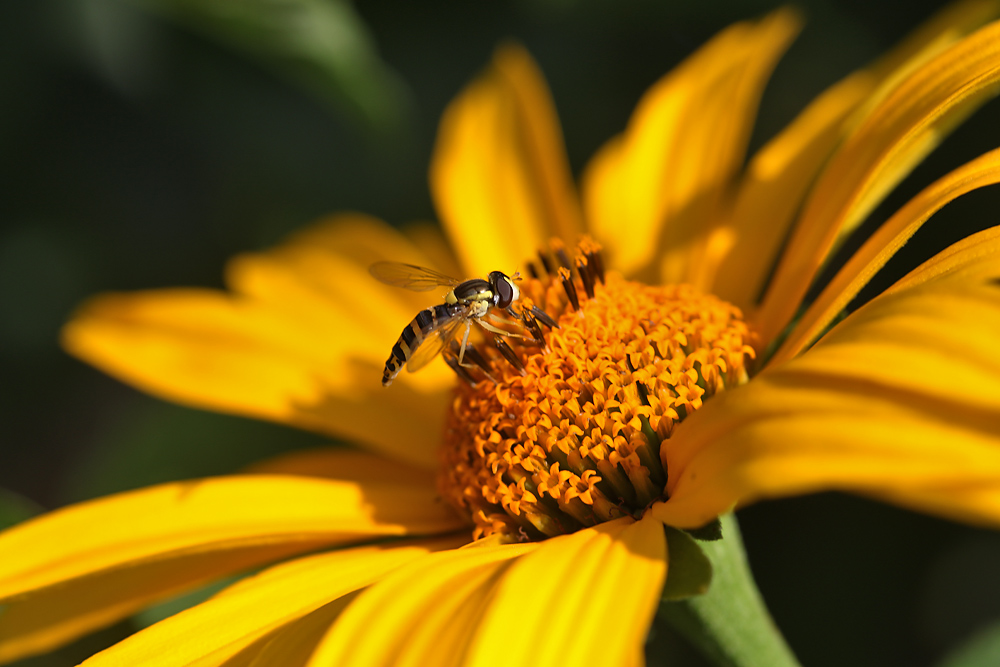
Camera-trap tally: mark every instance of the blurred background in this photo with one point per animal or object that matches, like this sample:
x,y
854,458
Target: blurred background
x,y
143,142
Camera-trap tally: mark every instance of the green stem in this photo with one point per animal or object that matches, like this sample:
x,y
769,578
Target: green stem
x,y
730,624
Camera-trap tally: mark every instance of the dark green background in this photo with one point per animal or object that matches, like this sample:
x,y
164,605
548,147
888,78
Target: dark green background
x,y
140,151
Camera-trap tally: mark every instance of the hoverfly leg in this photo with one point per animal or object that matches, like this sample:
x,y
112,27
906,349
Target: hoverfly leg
x,y
471,355
502,332
472,359
465,342
459,370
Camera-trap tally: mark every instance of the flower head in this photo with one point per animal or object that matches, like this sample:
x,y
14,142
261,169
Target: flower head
x,y
662,391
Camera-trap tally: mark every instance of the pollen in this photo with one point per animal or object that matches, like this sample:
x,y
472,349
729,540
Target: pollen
x,y
569,432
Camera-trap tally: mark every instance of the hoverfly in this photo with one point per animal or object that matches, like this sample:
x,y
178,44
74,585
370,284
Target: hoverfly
x,y
430,332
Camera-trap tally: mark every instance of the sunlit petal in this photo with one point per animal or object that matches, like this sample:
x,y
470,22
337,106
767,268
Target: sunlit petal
x,y
653,192
211,350
293,645
555,606
775,183
87,565
881,246
50,617
499,176
906,125
246,615
422,614
779,175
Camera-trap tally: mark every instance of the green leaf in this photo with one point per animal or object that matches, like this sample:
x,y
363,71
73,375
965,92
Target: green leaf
x,y
690,571
15,508
982,650
730,624
320,44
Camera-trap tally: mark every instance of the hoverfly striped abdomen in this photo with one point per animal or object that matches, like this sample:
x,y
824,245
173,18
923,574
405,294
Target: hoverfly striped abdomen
x,y
424,324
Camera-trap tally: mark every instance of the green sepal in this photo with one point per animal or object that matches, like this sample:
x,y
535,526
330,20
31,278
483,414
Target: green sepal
x,y
730,624
690,571
710,532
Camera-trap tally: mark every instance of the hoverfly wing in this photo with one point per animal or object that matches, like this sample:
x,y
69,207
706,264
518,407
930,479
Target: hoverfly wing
x,y
410,276
433,344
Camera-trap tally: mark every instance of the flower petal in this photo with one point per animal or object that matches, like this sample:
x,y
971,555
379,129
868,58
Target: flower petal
x,y
779,175
249,614
45,619
422,614
303,341
88,565
641,203
292,645
366,239
210,350
499,175
904,127
881,246
586,598
899,401
773,187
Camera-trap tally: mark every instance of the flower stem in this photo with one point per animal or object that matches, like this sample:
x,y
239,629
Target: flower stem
x,y
730,624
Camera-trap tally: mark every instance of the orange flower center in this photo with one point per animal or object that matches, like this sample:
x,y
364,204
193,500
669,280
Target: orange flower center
x,y
568,433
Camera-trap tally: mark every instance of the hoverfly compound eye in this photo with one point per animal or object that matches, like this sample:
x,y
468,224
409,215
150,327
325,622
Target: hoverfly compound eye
x,y
505,289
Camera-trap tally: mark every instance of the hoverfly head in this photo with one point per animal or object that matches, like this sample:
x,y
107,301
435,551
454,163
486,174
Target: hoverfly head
x,y
505,292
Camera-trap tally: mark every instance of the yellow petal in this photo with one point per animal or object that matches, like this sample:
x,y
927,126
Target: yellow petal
x,y
210,514
303,341
779,175
773,187
244,617
88,565
899,400
366,240
210,350
881,246
47,618
654,191
422,614
582,599
499,175
906,125
321,275
293,644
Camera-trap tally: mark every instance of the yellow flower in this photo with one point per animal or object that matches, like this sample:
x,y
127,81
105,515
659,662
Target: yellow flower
x,y
644,382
